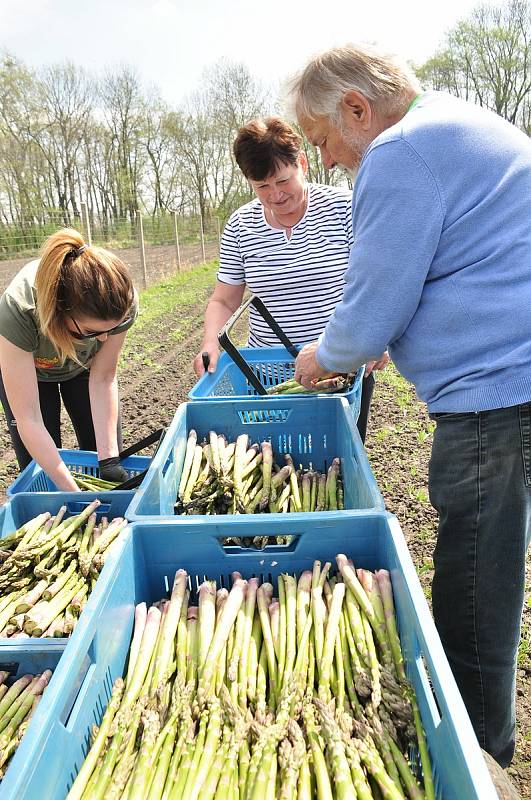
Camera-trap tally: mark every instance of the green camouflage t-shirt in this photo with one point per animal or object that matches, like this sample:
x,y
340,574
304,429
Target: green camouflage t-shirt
x,y
19,325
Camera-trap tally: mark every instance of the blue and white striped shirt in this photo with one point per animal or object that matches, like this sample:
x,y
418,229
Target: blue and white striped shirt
x,y
300,279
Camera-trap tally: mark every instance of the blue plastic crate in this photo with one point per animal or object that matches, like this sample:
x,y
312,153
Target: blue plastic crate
x,y
314,431
271,365
23,507
34,479
21,660
60,655
149,560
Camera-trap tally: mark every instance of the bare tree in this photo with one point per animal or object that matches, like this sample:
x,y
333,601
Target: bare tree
x,y
20,161
487,59
99,179
160,138
123,109
229,98
66,98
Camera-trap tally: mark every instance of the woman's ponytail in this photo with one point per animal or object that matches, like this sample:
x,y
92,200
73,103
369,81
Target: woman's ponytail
x,y
74,279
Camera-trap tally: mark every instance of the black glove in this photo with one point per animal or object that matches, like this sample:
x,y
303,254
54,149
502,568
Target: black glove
x,y
112,470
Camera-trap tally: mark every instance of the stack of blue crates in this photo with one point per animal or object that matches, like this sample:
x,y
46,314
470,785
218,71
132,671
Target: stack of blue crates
x,y
157,542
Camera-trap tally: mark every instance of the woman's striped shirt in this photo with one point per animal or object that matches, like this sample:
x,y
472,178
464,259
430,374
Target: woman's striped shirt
x,y
300,279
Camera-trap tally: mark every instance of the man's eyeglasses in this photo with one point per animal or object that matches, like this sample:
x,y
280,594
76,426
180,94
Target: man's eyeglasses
x,y
80,336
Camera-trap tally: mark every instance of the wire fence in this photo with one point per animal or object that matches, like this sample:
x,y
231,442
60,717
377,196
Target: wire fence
x,y
152,246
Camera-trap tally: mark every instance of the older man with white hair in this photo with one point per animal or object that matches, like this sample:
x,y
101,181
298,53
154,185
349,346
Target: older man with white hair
x,y
440,273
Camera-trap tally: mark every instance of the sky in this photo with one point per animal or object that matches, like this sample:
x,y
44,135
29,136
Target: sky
x,y
171,42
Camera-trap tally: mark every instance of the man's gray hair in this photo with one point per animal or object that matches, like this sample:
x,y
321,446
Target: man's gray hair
x,y
319,88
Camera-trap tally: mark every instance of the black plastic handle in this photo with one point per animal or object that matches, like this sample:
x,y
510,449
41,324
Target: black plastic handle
x,y
231,350
156,436
206,360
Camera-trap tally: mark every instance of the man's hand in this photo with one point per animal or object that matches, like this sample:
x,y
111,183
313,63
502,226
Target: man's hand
x,y
212,351
307,368
381,363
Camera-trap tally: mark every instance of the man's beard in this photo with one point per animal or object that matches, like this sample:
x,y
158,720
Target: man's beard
x,y
351,173
357,146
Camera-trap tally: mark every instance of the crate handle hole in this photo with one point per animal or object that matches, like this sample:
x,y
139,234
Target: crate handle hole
x,y
10,666
75,507
76,697
433,703
166,466
257,544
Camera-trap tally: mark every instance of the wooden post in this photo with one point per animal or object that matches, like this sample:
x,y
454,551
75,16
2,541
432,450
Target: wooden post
x,y
177,248
141,246
86,222
219,235
202,237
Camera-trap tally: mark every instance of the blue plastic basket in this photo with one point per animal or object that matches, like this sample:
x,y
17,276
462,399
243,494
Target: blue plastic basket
x,y
271,365
22,656
21,660
149,560
313,431
23,507
34,479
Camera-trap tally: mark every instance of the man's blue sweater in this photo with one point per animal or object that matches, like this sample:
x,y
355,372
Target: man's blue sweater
x,y
440,270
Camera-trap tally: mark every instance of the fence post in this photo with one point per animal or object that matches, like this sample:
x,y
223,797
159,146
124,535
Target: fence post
x,y
177,248
219,235
141,246
202,237
86,223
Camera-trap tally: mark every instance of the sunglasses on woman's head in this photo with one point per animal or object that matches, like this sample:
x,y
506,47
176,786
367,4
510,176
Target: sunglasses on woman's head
x,y
79,335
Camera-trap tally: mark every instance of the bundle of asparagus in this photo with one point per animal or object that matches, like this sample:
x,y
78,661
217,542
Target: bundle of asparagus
x,y
238,478
92,483
48,568
331,384
250,697
17,705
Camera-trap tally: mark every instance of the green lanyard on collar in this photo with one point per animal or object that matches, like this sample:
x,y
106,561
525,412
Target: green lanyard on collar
x,y
413,102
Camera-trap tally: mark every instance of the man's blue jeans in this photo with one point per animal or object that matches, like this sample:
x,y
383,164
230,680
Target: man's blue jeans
x,y
480,484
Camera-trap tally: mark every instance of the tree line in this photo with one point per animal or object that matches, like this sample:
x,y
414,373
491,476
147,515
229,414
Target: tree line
x,y
486,59
67,135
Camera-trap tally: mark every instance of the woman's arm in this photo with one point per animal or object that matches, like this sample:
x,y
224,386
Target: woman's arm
x,y
20,382
224,301
103,391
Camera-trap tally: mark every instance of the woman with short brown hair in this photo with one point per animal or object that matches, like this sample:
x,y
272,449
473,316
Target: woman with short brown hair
x,y
289,246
